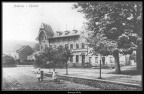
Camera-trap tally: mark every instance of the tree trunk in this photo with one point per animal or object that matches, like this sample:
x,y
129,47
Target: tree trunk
x,y
139,58
117,64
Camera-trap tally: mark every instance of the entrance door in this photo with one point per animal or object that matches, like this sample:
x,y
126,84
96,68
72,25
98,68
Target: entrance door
x,y
83,59
103,60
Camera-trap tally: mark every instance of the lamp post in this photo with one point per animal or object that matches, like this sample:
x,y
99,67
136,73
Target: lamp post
x,y
100,69
66,68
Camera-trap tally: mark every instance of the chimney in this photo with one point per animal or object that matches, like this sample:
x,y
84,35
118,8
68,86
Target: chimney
x,y
75,31
59,33
67,32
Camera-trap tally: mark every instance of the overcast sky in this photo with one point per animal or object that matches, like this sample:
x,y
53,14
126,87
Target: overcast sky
x,y
22,22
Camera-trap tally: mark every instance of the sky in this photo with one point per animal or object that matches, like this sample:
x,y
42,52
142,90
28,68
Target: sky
x,y
21,21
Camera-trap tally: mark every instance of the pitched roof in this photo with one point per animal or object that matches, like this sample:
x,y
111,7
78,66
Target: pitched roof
x,y
47,29
23,47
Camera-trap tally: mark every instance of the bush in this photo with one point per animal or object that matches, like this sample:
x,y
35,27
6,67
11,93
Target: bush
x,y
25,62
18,61
74,65
87,65
9,61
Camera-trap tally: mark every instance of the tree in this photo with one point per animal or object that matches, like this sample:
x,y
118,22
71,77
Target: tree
x,y
65,55
101,45
113,20
8,61
39,59
57,56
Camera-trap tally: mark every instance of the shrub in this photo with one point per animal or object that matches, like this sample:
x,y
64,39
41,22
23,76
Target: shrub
x,y
74,65
18,61
87,65
8,61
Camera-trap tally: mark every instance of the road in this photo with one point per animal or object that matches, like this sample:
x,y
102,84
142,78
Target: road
x,y
21,78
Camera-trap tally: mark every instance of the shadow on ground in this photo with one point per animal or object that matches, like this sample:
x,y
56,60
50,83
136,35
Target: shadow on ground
x,y
128,72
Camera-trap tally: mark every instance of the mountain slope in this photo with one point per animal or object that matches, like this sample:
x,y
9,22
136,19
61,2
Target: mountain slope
x,y
12,46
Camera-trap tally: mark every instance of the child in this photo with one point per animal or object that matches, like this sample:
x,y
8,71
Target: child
x,y
39,74
54,76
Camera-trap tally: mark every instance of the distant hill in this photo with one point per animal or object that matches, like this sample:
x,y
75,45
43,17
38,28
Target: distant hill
x,y
12,45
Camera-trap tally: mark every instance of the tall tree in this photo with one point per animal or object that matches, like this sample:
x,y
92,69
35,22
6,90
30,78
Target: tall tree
x,y
57,56
39,59
64,54
113,20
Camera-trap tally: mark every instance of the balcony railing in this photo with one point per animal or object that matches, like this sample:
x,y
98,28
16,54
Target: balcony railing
x,y
78,50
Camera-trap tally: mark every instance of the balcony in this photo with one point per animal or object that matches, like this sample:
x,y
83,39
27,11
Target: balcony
x,y
79,50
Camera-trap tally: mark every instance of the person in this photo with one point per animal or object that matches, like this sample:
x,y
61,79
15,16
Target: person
x,y
41,72
38,75
54,76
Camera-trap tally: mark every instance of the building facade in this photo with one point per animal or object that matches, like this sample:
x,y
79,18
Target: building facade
x,y
76,42
24,52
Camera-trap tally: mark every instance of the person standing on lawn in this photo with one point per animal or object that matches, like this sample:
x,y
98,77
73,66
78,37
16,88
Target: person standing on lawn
x,y
54,75
39,74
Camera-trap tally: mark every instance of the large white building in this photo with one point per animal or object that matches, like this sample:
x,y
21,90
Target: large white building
x,y
75,40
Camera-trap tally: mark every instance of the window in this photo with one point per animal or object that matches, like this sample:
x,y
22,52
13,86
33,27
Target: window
x,y
77,58
77,45
71,46
83,45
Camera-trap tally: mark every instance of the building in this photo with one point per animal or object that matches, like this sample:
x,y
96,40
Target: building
x,y
75,41
31,57
24,52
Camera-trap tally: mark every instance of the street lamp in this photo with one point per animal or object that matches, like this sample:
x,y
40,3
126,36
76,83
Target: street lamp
x,y
100,69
